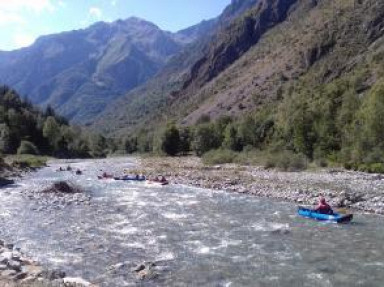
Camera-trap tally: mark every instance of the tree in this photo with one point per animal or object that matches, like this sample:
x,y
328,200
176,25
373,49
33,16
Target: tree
x,y
97,145
27,147
185,140
171,140
205,139
231,140
51,131
5,139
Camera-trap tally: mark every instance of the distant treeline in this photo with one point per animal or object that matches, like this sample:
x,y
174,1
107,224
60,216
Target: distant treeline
x,y
25,129
333,124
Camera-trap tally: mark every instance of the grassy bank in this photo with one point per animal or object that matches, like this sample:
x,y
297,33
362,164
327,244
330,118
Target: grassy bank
x,y
26,161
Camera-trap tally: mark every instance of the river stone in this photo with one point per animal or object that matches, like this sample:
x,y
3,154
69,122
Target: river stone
x,y
15,265
53,274
8,273
20,276
33,270
7,255
76,282
3,267
9,246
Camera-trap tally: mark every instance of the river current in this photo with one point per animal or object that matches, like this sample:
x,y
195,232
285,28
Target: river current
x,y
198,237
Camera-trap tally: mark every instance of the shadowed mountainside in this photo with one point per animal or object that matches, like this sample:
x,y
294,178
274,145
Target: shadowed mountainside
x,y
273,48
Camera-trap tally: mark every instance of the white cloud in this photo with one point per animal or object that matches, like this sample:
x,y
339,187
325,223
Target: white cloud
x,y
32,5
23,40
7,18
113,2
95,12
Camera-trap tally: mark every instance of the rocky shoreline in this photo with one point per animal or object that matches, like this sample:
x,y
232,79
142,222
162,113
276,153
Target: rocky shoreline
x,y
343,189
18,270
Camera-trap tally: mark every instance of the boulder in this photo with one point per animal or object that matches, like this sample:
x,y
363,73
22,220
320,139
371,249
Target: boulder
x,y
63,187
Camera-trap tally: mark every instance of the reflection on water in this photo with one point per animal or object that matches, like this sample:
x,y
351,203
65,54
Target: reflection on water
x,y
198,237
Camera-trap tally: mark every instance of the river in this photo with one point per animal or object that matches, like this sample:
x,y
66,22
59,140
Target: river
x,y
197,237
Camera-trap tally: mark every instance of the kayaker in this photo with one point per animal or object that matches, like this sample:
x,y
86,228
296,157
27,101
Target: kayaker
x,y
323,207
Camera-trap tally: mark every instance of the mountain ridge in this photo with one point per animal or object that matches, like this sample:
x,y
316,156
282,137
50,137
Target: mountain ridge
x,y
89,67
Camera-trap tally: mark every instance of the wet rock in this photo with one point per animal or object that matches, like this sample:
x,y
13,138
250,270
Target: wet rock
x,y
20,276
33,270
8,273
4,181
9,245
146,271
14,265
3,267
138,268
53,274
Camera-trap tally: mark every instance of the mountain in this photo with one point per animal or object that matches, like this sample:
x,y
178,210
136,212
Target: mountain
x,y
80,72
257,60
150,99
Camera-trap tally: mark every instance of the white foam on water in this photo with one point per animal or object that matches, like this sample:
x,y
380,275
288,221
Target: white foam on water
x,y
127,231
137,245
203,250
270,226
175,216
225,243
165,256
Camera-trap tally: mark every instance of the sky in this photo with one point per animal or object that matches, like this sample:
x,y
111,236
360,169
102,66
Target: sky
x,y
22,21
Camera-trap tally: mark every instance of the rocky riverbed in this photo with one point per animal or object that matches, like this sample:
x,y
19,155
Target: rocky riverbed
x,y
344,189
19,270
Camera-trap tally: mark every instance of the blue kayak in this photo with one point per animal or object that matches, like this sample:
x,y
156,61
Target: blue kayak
x,y
131,178
335,217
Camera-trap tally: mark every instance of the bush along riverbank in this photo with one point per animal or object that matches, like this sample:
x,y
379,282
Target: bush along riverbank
x,y
343,189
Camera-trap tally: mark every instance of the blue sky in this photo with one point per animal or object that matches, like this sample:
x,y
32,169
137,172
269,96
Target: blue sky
x,y
22,21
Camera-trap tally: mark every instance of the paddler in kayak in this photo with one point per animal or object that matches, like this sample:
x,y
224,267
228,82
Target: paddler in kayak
x,y
323,207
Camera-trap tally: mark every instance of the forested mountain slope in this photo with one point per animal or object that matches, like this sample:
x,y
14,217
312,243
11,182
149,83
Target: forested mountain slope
x,y
273,48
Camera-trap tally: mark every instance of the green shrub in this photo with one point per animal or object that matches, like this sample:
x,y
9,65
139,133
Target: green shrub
x,y
219,156
376,168
286,161
27,147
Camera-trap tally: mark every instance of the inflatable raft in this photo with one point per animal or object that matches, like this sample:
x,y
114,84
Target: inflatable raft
x,y
335,217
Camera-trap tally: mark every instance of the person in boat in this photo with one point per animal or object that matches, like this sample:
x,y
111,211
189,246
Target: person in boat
x,y
69,168
323,207
162,179
79,172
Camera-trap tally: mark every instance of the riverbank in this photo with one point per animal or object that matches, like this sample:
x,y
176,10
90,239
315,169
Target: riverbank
x,y
17,270
15,166
343,189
